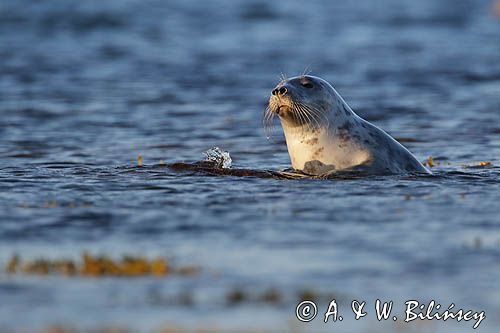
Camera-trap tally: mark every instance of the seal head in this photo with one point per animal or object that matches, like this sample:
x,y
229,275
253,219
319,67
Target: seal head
x,y
324,135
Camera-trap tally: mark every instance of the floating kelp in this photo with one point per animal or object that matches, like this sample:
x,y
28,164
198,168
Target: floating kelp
x,y
97,266
218,162
483,164
210,168
429,162
239,296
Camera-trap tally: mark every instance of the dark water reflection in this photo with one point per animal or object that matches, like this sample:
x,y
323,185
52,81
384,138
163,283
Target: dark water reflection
x,y
85,87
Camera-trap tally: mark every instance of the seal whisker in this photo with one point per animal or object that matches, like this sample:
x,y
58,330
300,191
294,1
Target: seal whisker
x,y
313,113
304,112
268,121
321,116
307,70
305,119
307,114
315,120
282,77
296,115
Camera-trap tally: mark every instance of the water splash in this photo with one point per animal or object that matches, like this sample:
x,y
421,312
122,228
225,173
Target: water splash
x,y
220,157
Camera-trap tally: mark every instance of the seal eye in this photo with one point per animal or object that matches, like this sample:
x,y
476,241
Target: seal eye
x,y
307,85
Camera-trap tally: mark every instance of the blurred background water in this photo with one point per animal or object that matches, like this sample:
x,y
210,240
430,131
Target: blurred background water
x,y
87,86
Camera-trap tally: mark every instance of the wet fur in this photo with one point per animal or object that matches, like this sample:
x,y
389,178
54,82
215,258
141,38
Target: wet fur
x,y
324,135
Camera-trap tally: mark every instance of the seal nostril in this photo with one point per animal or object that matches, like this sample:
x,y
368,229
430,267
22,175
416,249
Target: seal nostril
x,y
283,91
274,92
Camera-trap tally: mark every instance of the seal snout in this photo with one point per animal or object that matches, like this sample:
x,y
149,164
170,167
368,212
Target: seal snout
x,y
281,91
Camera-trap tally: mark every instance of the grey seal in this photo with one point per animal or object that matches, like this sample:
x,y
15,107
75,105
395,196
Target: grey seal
x,y
325,136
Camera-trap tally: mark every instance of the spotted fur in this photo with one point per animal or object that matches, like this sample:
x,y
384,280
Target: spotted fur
x,y
324,135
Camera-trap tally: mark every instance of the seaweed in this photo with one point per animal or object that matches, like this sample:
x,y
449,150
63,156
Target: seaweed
x,y
98,266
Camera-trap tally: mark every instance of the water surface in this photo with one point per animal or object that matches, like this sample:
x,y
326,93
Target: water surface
x,y
86,87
